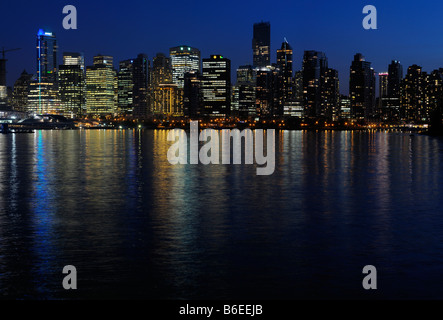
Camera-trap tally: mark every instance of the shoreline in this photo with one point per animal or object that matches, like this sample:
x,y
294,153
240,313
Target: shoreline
x,y
31,129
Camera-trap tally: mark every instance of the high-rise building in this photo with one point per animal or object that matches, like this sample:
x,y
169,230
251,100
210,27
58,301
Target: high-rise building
x,y
20,93
330,95
43,95
3,86
245,92
183,59
107,61
284,63
74,59
345,107
413,98
161,72
4,98
216,86
100,86
264,102
267,92
192,94
245,74
246,101
46,57
298,86
383,99
234,101
362,88
435,90
125,87
72,85
395,76
140,89
315,65
383,84
391,103
261,44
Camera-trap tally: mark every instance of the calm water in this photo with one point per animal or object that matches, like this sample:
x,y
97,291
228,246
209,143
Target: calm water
x,y
109,203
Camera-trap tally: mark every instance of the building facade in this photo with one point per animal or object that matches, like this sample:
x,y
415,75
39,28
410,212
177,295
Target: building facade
x,y
125,87
43,93
284,63
315,65
261,44
100,87
21,91
216,87
184,59
72,85
245,92
362,88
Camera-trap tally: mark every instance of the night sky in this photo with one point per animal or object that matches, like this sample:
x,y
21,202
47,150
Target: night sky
x,y
409,31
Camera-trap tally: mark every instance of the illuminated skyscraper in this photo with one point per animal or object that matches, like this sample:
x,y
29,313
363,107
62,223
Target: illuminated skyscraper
x,y
216,86
261,44
72,85
284,63
106,61
383,84
21,91
345,107
161,71
395,76
413,101
435,90
267,92
246,92
192,94
74,59
43,91
391,103
330,95
100,86
125,86
245,74
46,57
315,65
362,88
183,59
298,86
382,99
140,94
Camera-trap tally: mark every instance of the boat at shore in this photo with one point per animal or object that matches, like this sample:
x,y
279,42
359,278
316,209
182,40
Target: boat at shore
x,y
5,129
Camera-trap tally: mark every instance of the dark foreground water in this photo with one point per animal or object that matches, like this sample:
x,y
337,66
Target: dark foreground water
x,y
109,203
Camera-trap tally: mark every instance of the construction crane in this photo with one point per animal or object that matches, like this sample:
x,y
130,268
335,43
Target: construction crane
x,y
9,50
3,65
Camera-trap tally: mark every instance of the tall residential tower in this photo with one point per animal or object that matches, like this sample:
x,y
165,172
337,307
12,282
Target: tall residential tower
x,y
43,91
261,44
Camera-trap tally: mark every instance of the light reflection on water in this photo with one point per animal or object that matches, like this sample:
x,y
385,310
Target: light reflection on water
x,y
135,226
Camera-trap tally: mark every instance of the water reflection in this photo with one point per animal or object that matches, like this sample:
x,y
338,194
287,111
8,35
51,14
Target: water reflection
x,y
110,203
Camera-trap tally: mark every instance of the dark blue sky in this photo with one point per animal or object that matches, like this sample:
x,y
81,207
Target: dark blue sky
x,y
409,31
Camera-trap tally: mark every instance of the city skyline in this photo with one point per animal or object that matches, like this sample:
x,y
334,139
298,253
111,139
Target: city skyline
x,y
89,60
340,40
137,90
